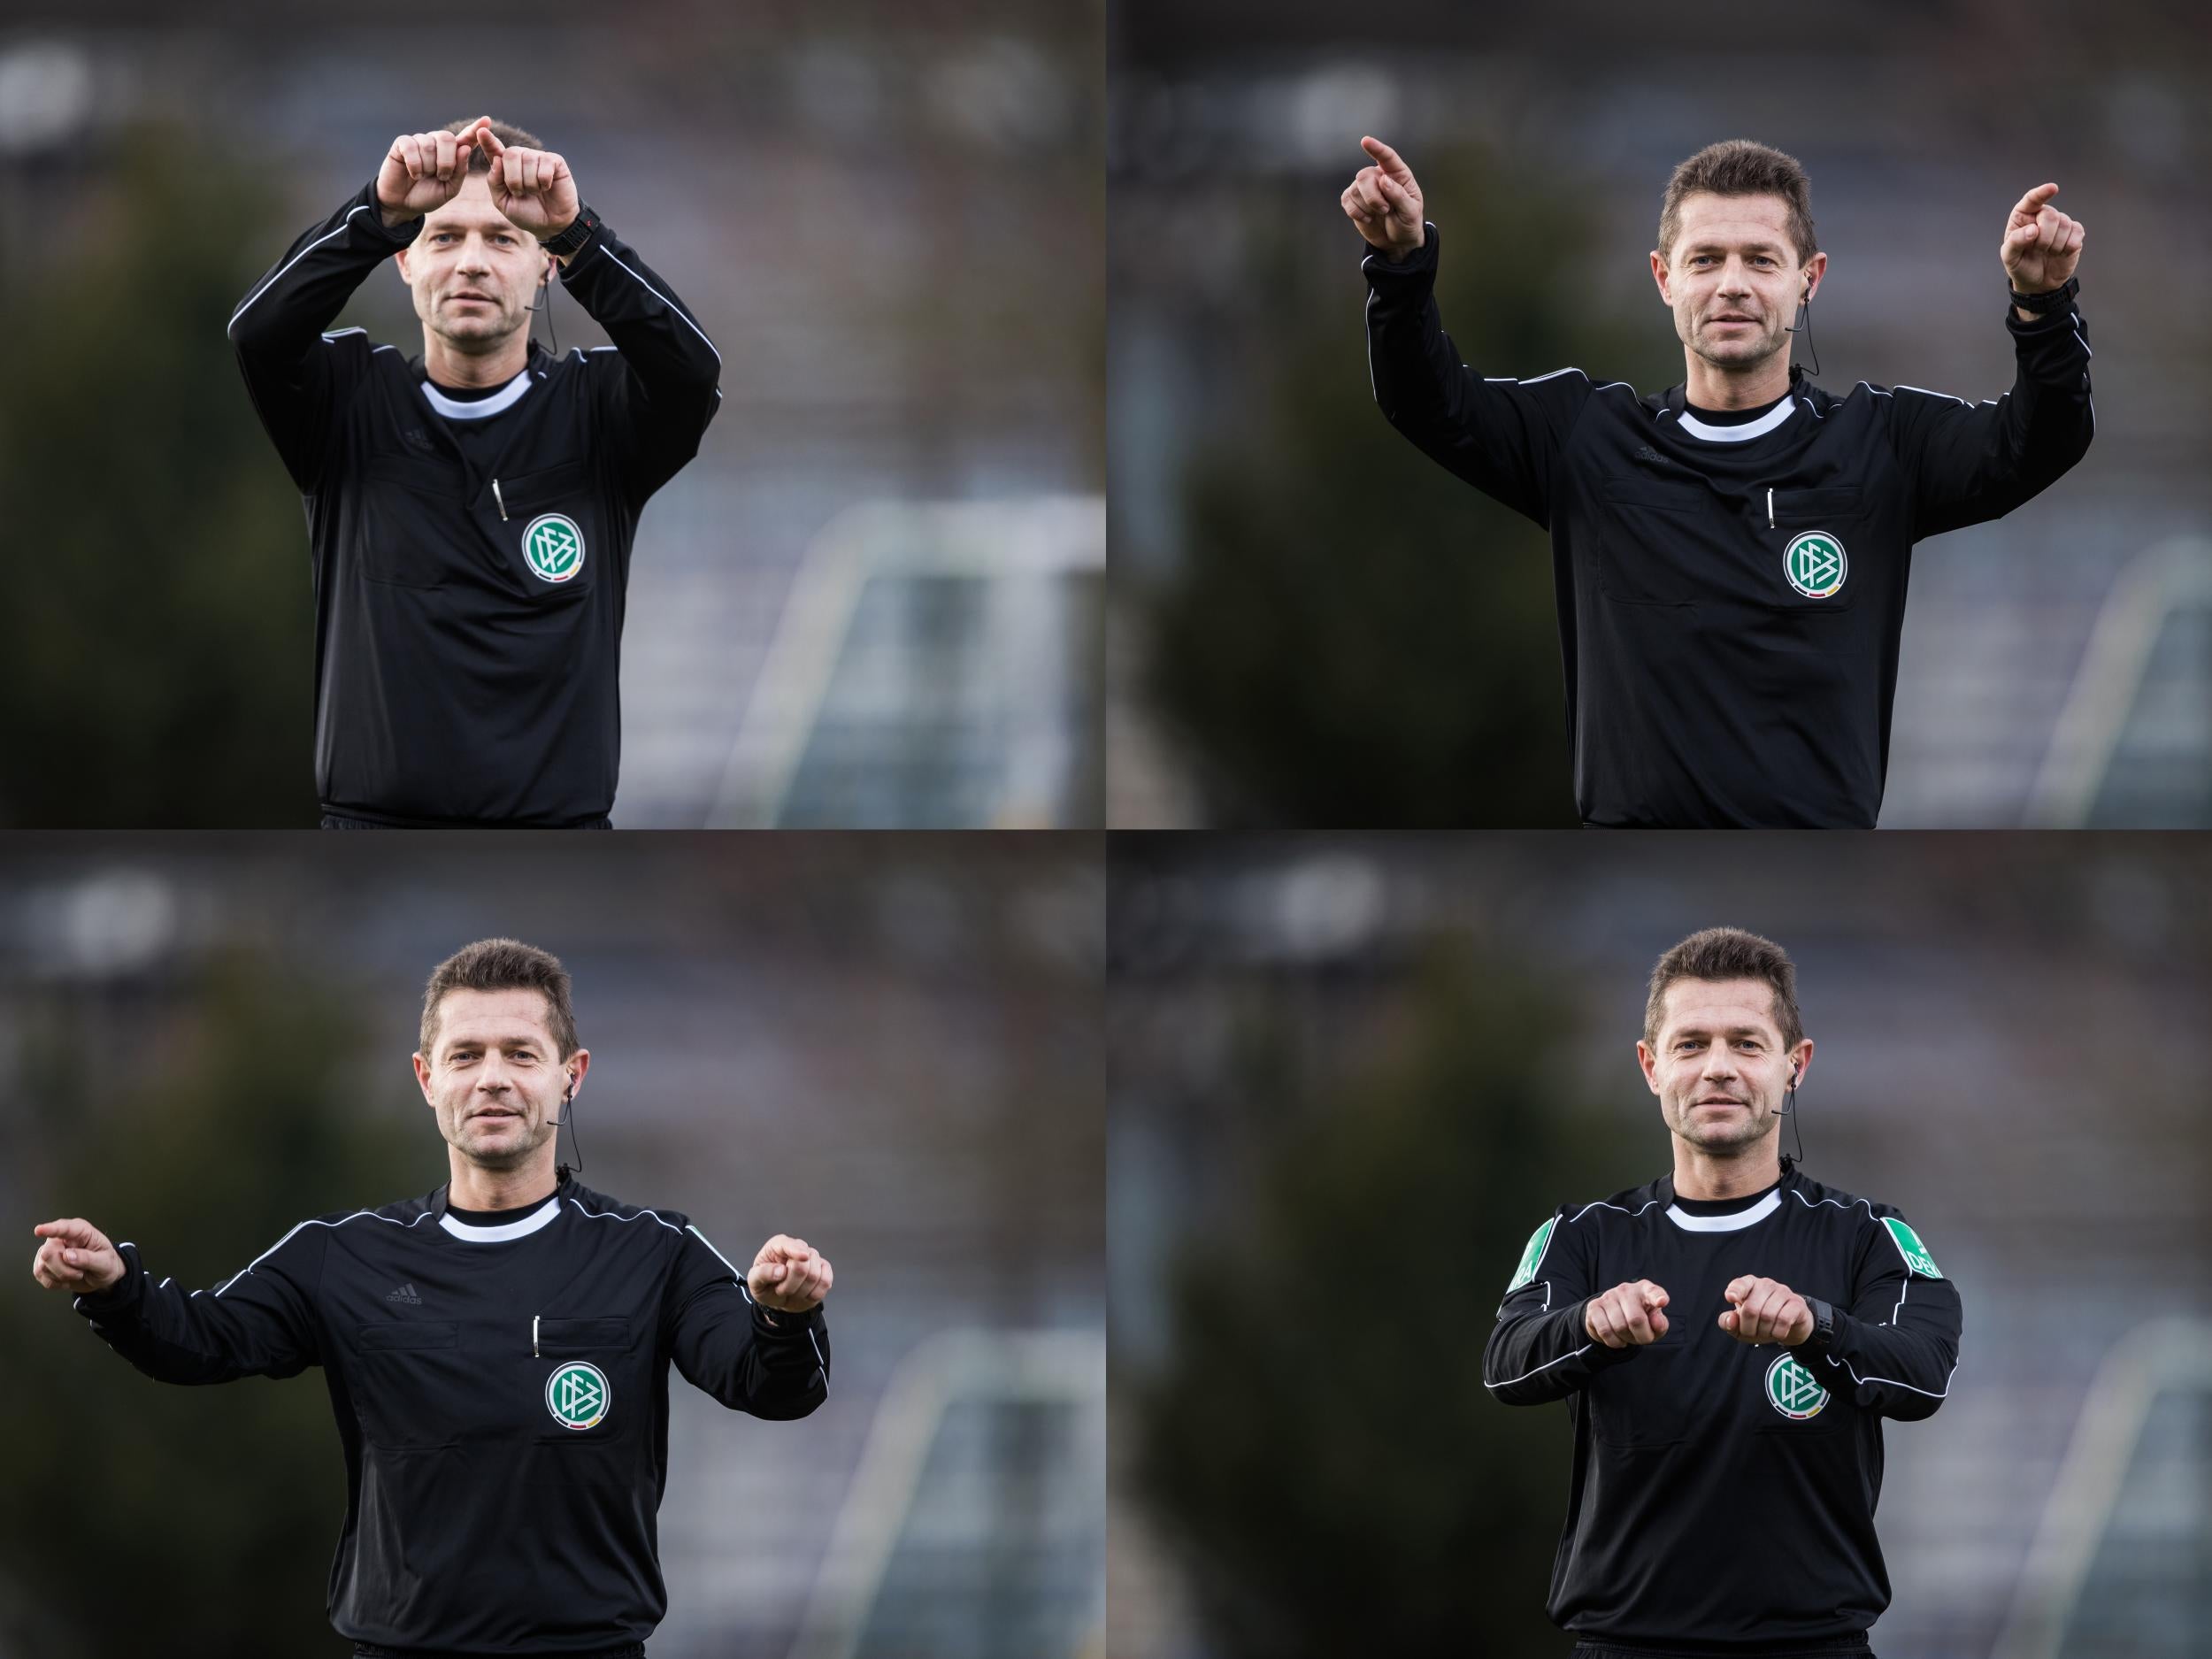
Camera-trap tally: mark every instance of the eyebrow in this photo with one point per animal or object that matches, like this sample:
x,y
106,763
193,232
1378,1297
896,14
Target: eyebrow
x,y
470,223
1718,247
1732,1031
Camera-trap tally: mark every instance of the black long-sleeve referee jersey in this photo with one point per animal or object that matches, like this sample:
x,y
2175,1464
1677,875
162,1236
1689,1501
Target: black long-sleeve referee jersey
x,y
1723,1493
1729,597
501,1394
471,558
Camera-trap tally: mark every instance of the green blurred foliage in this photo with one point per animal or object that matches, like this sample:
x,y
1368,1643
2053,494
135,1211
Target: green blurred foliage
x,y
147,1519
157,661
1355,638
1320,1448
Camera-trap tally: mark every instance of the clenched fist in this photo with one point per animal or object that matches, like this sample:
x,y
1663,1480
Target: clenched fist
x,y
2041,245
789,1276
1765,1310
1627,1316
76,1256
533,188
422,172
1385,203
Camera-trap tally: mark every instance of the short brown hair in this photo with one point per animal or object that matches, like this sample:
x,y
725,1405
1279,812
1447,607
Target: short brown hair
x,y
1736,166
513,137
503,965
1728,953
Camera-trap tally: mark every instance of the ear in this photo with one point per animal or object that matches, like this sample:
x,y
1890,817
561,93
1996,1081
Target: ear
x,y
1660,274
400,259
1649,1063
1815,268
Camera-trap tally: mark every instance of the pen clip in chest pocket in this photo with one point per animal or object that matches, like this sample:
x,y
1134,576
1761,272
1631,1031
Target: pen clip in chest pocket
x,y
1811,533
548,520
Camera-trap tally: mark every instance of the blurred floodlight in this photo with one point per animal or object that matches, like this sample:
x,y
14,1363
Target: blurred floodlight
x,y
1332,110
45,95
1327,907
1001,92
115,922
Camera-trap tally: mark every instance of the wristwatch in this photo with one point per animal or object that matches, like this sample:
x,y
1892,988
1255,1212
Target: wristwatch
x,y
2058,299
580,230
1823,1324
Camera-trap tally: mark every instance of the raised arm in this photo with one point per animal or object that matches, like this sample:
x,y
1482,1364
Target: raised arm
x,y
1503,436
661,387
1556,1329
1972,462
756,1341
260,1323
295,374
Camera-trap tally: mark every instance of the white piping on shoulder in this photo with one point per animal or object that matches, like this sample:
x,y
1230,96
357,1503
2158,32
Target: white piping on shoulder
x,y
1602,1204
608,1214
280,1244
345,225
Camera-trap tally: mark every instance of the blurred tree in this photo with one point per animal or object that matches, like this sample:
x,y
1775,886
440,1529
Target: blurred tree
x,y
1320,1449
157,660
1355,638
152,1519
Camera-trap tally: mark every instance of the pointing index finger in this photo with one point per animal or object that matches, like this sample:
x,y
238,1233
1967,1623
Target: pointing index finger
x,y
2027,205
1390,159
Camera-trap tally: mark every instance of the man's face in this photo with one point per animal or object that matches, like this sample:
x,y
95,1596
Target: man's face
x,y
495,1076
1732,280
1719,1066
472,273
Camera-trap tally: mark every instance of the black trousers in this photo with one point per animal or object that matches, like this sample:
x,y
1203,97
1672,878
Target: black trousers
x,y
339,821
370,1650
1849,1647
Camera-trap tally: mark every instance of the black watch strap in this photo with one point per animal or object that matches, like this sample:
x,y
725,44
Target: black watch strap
x,y
1823,1321
2058,299
580,230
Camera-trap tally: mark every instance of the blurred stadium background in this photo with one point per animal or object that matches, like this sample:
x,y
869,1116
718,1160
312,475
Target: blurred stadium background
x,y
1315,625
876,596
891,1048
1352,1074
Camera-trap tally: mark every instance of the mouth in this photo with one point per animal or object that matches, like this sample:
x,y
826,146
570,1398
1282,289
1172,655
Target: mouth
x,y
496,1117
1717,1102
1735,322
471,299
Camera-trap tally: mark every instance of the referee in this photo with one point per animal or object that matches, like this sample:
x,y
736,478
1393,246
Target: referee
x,y
496,1353
1728,1340
471,511
1729,555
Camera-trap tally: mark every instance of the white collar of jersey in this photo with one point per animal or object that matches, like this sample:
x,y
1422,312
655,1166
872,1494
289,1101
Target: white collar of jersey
x,y
453,408
542,1215
1748,1216
1744,433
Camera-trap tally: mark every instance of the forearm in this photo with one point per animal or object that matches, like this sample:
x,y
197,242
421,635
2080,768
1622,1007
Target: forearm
x,y
1901,1370
1537,1358
728,1349
288,307
178,1336
661,342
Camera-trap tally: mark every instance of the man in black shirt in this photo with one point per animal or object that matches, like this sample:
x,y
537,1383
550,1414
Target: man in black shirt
x,y
1728,1340
1729,556
470,511
496,1353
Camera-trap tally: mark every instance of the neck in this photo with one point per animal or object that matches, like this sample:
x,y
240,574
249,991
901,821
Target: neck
x,y
474,1187
450,367
1701,1175
1746,387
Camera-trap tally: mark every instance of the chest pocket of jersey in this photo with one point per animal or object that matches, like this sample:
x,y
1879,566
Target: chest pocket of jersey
x,y
408,1377
1816,536
587,1381
1652,541
1643,1402
553,529
399,495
